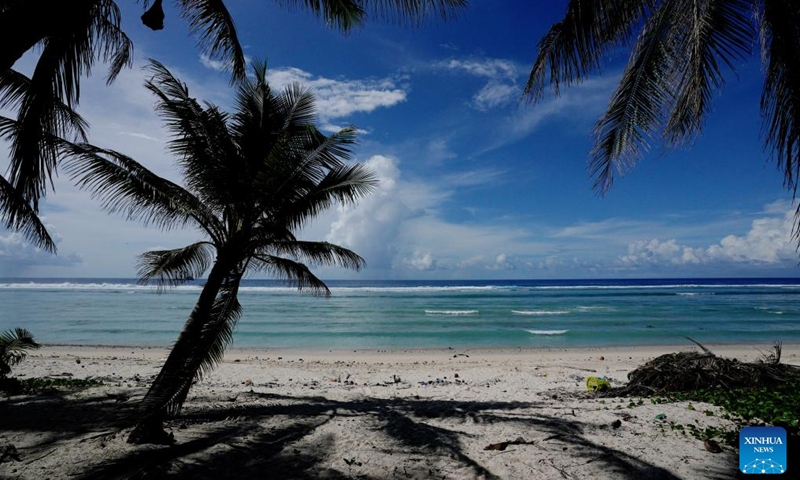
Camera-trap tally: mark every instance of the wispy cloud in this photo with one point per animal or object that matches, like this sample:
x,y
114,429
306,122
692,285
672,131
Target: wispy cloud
x,y
339,98
501,77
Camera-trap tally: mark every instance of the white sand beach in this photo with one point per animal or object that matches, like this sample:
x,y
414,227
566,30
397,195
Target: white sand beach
x,y
364,414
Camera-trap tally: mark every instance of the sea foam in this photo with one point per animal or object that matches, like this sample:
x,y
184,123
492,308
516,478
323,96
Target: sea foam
x,y
451,312
539,312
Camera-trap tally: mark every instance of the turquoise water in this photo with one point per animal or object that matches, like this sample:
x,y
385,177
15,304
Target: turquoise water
x,y
419,314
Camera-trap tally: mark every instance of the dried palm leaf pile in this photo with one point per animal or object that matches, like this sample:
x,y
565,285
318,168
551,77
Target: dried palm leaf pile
x,y
685,371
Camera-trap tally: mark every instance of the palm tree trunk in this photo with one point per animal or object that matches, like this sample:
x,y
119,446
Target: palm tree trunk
x,y
170,387
31,21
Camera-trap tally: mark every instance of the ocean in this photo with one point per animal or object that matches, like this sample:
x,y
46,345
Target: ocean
x,y
419,314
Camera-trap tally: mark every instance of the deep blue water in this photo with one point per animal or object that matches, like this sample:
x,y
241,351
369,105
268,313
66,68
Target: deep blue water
x,y
419,314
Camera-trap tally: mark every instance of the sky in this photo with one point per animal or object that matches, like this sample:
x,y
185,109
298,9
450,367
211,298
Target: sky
x,y
474,183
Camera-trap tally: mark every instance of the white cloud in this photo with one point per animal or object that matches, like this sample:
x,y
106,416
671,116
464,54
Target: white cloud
x,y
474,178
338,98
501,77
217,65
422,261
767,242
18,257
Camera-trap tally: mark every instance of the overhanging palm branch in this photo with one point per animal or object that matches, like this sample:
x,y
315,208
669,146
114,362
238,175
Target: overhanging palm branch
x,y
677,64
94,33
18,215
623,132
575,47
780,102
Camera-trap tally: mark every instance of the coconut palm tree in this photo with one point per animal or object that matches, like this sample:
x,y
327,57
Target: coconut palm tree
x,y
74,35
252,178
681,52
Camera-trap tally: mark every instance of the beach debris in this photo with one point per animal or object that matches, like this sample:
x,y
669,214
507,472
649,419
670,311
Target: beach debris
x,y
616,424
685,371
504,445
248,382
8,451
712,446
597,384
660,416
602,358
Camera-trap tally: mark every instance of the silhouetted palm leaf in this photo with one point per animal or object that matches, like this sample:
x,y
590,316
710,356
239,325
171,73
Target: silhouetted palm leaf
x,y
13,348
176,266
675,67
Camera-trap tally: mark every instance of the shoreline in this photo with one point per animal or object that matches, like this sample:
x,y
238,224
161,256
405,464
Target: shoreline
x,y
738,350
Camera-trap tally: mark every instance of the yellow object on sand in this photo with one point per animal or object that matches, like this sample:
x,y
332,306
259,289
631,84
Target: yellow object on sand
x,y
594,384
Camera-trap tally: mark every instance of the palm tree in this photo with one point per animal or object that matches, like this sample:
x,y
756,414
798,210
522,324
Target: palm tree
x,y
252,178
74,35
13,348
681,51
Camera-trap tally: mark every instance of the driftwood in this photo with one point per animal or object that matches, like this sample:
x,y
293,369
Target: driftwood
x,y
685,371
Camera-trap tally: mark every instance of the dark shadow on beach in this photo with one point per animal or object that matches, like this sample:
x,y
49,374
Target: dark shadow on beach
x,y
261,435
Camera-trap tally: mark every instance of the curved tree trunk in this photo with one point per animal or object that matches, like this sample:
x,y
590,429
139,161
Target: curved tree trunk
x,y
29,22
172,384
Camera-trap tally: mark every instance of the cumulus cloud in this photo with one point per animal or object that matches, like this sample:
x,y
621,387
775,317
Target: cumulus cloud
x,y
501,80
19,258
372,227
399,227
767,242
422,261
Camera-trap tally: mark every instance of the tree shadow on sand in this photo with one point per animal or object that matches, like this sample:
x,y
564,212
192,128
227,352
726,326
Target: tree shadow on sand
x,y
257,435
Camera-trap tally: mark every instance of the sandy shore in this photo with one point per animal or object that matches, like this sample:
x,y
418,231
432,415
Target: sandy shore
x,y
364,414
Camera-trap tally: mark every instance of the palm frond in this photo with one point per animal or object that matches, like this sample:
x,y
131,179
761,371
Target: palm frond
x,y
125,186
575,47
348,14
717,32
67,54
13,348
311,156
638,105
213,25
343,15
176,266
17,214
780,101
206,153
318,253
292,272
345,185
413,12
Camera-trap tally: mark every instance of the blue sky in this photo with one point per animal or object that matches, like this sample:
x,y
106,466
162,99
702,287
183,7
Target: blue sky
x,y
475,184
